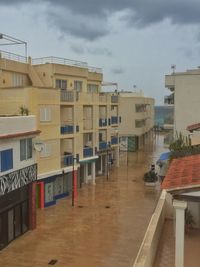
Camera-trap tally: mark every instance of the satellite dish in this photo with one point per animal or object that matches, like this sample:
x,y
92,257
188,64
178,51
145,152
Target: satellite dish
x,y
38,145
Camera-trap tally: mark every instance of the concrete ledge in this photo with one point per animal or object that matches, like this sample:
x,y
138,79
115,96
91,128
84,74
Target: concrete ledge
x,y
147,252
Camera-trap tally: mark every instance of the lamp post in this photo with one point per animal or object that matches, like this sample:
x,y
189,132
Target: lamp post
x,y
73,181
107,160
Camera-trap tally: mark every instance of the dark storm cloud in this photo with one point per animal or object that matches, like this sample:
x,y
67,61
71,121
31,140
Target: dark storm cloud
x,y
88,19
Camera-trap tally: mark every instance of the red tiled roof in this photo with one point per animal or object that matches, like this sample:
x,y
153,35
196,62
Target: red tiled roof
x,y
193,127
183,172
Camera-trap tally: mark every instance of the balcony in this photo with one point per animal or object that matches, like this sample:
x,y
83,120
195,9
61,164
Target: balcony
x,y
102,122
169,100
170,81
67,129
114,99
102,145
114,140
68,159
18,178
87,152
68,96
114,120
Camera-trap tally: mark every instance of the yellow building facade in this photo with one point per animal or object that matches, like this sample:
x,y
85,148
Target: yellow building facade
x,y
78,123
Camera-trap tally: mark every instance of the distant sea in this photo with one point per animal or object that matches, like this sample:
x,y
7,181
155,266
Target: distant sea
x,y
163,113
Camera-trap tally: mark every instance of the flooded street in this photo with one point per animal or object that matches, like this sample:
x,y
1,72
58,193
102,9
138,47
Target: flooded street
x,y
104,229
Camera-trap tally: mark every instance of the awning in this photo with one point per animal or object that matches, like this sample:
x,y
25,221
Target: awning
x,y
89,159
164,156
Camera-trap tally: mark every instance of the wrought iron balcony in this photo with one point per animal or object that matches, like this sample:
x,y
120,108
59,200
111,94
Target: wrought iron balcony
x,y
114,120
68,159
67,129
169,100
114,140
102,145
114,99
102,122
17,179
87,152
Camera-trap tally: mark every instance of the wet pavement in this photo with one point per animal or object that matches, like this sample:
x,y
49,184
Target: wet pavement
x,y
104,229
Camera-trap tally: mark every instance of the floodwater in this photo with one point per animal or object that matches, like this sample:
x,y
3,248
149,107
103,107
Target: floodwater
x,y
106,226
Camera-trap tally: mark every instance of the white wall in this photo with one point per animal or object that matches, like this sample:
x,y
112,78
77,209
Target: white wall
x,y
17,124
15,145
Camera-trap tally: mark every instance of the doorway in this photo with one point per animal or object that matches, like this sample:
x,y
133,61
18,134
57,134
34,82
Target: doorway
x,y
13,223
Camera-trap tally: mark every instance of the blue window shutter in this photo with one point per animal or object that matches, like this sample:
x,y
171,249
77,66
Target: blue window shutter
x,y
6,160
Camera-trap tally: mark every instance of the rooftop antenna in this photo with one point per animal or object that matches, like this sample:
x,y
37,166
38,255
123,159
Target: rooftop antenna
x,y
173,68
9,40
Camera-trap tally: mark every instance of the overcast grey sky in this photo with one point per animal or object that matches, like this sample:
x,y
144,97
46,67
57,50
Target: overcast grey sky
x,y
134,41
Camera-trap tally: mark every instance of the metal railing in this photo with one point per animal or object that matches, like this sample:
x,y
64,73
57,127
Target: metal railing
x,y
59,60
87,152
67,129
102,122
68,159
114,120
114,99
114,140
102,145
68,96
12,56
94,69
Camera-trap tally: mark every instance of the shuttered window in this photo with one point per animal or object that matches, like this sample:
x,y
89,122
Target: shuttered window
x,y
6,161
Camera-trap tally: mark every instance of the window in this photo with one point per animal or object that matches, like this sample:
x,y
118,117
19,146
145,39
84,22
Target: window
x,y
140,123
17,79
45,114
62,84
92,88
140,107
46,151
25,149
6,162
78,86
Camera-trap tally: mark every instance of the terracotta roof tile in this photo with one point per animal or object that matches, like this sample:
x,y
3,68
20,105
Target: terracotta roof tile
x,y
193,127
183,172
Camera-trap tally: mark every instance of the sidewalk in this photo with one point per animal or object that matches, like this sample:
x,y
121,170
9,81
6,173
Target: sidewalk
x,y
104,229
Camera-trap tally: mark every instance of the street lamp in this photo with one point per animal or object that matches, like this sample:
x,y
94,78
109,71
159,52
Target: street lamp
x,y
107,153
73,181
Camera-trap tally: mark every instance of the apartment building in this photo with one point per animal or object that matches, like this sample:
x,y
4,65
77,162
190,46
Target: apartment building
x,y
75,119
137,120
185,96
18,175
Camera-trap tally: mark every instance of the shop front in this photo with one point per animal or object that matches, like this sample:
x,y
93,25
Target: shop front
x,y
17,204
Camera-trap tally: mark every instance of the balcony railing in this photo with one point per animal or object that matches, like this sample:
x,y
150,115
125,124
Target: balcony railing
x,y
68,96
67,129
68,159
102,122
11,56
169,100
102,145
17,179
114,99
114,120
87,152
114,140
